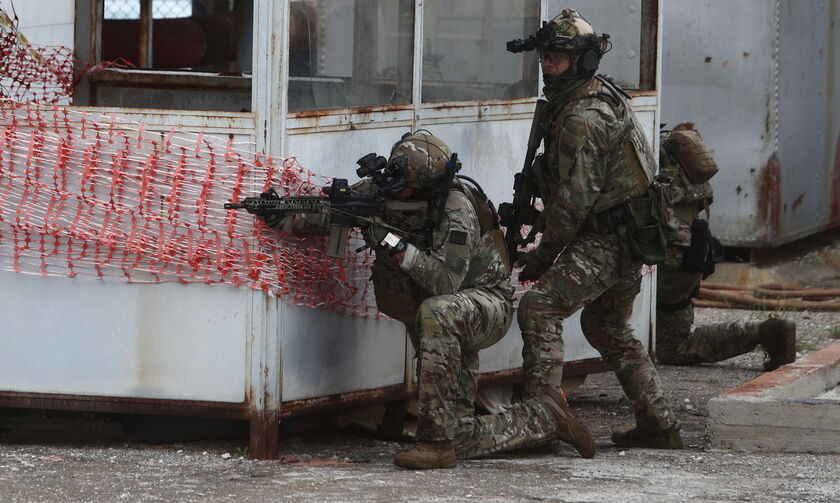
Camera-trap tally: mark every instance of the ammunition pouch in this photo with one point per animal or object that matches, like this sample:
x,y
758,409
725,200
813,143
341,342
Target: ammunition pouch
x,y
646,235
638,222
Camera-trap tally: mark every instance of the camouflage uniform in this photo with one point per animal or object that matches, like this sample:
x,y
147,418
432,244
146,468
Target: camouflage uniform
x,y
467,307
594,141
676,343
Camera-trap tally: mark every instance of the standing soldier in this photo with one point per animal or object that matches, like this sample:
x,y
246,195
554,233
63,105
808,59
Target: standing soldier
x,y
684,158
597,163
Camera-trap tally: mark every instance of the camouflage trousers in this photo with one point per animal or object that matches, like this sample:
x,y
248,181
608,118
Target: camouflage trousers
x,y
592,274
449,331
526,424
676,343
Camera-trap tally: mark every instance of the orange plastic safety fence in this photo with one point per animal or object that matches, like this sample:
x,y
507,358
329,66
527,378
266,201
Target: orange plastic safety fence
x,y
90,195
83,194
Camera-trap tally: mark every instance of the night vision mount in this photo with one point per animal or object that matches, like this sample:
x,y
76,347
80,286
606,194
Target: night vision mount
x,y
548,40
389,177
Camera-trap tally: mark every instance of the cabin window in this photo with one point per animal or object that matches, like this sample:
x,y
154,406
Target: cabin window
x,y
464,50
350,53
178,54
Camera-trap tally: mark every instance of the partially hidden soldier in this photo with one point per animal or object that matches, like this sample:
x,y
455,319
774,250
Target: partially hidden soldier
x,y
687,162
451,290
593,177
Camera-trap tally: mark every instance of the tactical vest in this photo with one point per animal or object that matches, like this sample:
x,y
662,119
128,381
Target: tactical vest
x,y
491,248
631,204
399,297
629,154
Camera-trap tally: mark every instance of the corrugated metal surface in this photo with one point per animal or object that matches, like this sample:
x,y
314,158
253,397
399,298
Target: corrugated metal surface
x,y
760,81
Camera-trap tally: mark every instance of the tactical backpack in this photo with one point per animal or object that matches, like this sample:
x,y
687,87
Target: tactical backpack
x,y
685,159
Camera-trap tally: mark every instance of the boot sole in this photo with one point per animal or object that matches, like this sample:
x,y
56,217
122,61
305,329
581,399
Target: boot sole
x,y
409,465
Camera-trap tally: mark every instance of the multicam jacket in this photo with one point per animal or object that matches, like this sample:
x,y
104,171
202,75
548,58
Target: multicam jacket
x,y
460,257
593,142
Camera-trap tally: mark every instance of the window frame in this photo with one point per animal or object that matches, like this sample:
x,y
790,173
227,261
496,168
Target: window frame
x,y
372,117
89,15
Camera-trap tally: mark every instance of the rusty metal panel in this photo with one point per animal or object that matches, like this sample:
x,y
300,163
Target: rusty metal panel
x,y
759,80
718,72
809,118
324,353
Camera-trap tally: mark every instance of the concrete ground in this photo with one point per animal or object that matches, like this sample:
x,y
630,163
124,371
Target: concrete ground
x,y
84,458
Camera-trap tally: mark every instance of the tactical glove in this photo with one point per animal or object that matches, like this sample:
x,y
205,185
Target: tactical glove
x,y
534,266
273,219
378,234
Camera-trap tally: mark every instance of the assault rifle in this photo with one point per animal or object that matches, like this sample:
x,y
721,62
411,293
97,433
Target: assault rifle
x,y
525,191
344,210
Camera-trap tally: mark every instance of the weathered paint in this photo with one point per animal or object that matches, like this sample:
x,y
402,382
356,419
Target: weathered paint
x,y
769,192
755,95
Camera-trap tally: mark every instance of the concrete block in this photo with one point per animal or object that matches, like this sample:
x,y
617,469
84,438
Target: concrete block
x,y
792,409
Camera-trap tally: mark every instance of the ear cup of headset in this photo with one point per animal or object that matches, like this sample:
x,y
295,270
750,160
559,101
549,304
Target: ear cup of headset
x,y
588,62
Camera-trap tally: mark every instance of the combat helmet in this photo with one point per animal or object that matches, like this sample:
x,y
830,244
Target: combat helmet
x,y
423,158
569,33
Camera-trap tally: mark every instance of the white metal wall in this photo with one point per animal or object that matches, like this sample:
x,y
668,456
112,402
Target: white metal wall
x,y
43,22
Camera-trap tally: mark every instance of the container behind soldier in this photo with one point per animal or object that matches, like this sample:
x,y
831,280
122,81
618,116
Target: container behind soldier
x,y
688,163
597,160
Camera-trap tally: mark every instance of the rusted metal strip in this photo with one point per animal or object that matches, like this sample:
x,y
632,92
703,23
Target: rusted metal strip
x,y
120,405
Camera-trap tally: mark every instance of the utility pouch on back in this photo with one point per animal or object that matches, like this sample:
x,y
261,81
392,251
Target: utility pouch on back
x,y
688,149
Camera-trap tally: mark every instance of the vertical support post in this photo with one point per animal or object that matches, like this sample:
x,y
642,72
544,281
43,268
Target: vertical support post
x,y
417,71
649,58
144,39
268,102
87,46
405,48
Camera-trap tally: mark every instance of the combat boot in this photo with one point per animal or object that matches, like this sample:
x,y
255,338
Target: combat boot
x,y
569,428
427,456
778,337
649,438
